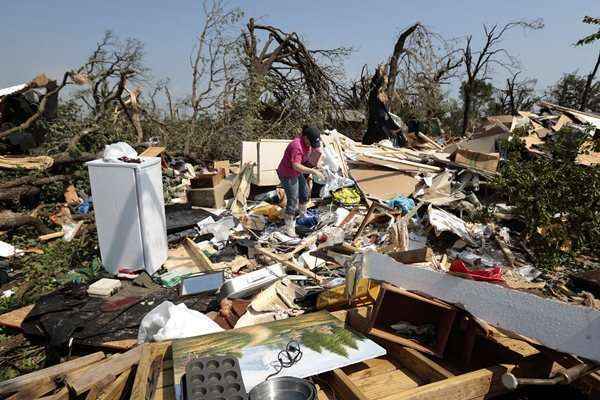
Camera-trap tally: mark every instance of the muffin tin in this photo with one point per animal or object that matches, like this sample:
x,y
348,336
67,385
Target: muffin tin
x,y
214,378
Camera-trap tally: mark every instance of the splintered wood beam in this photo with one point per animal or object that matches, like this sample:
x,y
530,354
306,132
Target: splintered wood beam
x,y
18,383
34,389
115,390
149,368
365,221
288,264
200,259
83,380
344,387
152,151
62,394
98,387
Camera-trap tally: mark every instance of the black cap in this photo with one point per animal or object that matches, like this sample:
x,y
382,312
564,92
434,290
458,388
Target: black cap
x,y
313,135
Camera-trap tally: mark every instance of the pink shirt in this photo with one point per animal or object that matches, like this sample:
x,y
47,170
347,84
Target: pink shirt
x,y
295,152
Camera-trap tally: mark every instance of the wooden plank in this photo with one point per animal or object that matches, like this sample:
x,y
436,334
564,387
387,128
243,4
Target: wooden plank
x,y
397,164
82,381
200,259
412,256
34,389
425,368
387,384
167,393
222,164
567,328
15,318
115,390
153,151
98,387
50,236
478,385
62,394
16,384
344,387
148,371
120,345
368,368
428,140
289,264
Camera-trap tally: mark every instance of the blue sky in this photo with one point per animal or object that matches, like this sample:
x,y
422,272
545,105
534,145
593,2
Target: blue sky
x,y
42,36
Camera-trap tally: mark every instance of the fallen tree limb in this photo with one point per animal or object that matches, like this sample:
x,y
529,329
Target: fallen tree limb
x,y
17,193
10,220
33,181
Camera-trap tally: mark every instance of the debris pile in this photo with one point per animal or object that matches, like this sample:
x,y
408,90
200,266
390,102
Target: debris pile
x,y
405,245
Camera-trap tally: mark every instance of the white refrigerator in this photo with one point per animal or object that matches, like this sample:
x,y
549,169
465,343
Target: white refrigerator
x,y
130,214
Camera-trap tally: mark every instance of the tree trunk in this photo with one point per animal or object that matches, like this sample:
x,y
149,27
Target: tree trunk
x,y
33,181
398,50
466,109
16,193
588,85
11,220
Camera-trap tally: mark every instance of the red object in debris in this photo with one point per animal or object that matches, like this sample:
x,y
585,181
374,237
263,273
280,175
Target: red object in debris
x,y
486,275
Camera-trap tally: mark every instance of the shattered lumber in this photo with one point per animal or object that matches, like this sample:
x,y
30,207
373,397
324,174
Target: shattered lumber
x,y
200,259
60,370
289,264
81,381
150,366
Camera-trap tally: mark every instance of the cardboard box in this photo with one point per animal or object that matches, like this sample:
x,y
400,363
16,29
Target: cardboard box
x,y
212,197
474,159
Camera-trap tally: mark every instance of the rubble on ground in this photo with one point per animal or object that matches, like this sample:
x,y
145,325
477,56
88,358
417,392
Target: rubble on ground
x,y
406,245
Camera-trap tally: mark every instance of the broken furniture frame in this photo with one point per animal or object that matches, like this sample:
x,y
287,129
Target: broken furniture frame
x,y
395,304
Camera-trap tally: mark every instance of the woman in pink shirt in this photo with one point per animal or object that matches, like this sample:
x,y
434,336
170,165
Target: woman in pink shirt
x,y
291,174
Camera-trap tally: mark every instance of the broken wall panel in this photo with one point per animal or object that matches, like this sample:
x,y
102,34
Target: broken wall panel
x,y
563,327
383,183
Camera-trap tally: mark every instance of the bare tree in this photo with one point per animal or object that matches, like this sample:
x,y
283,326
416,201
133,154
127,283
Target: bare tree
x,y
209,60
518,94
588,84
478,63
399,49
286,61
112,66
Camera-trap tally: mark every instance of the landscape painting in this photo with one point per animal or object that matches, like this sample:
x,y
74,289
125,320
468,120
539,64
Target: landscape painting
x,y
321,337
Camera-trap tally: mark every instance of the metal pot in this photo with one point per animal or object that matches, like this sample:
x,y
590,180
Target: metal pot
x,y
284,388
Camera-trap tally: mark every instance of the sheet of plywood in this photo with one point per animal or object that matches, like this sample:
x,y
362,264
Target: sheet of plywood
x,y
382,183
560,326
250,155
269,154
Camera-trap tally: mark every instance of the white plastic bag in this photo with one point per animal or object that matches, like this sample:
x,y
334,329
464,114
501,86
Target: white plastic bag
x,y
220,229
169,321
113,152
333,182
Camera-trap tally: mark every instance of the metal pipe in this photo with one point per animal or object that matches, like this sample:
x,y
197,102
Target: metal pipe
x,y
565,377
